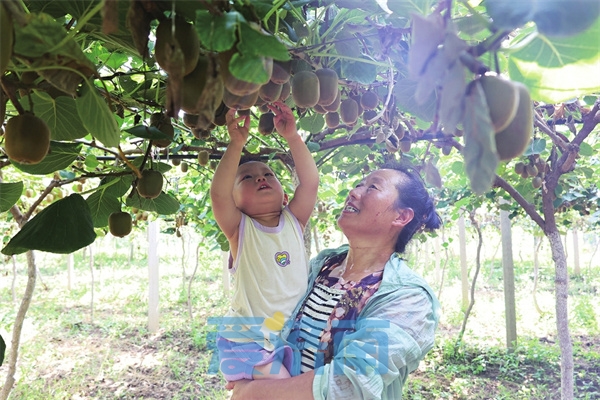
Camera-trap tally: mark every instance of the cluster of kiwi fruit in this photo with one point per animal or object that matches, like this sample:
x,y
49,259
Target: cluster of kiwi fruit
x,y
536,169
511,113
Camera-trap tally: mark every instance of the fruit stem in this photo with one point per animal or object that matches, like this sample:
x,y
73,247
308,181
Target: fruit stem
x,y
10,89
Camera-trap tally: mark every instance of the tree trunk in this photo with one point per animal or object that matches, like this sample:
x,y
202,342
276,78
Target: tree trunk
x,y
14,280
18,327
509,281
562,317
537,242
577,268
462,238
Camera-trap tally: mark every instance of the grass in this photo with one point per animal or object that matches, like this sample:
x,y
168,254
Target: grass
x,y
65,354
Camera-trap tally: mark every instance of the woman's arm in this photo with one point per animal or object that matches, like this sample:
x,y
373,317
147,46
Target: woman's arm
x,y
294,388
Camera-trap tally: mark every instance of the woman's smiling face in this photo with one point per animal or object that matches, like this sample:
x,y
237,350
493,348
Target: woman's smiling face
x,y
371,207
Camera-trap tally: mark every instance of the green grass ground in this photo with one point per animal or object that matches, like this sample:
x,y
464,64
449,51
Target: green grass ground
x,y
65,354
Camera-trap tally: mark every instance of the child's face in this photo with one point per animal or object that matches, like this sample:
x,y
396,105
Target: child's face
x,y
257,190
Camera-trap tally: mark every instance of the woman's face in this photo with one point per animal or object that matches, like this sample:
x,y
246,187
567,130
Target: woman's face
x,y
371,206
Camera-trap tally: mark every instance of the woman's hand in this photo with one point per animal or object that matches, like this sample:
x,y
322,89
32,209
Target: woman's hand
x,y
284,120
238,133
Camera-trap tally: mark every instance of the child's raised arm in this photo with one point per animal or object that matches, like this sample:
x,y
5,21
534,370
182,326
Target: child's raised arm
x,y
224,209
305,196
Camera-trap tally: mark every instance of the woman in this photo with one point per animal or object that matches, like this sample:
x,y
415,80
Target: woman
x,y
367,319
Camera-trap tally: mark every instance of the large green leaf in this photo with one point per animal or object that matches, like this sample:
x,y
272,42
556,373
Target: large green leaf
x,y
60,156
406,7
105,200
96,116
217,33
60,114
164,204
562,18
312,123
560,69
9,194
510,14
404,91
147,132
102,203
63,227
361,72
480,155
254,42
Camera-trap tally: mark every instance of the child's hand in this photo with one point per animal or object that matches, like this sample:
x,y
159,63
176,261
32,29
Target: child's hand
x,y
238,133
285,122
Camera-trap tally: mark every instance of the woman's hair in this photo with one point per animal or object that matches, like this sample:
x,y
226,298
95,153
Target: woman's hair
x,y
412,194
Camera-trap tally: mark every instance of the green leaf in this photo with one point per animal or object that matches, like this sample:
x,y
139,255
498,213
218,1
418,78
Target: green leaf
x,y
63,227
480,155
217,33
102,203
360,72
537,147
256,43
249,68
510,14
586,150
96,116
404,8
164,204
60,114
9,194
105,200
562,18
312,123
147,132
60,156
405,90
347,44
560,69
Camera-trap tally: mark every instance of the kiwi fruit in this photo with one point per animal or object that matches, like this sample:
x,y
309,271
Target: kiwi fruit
x,y
405,146
221,114
336,103
270,92
328,86
193,86
519,168
531,170
6,38
400,131
184,167
512,141
266,126
502,97
332,119
190,120
536,182
369,115
185,37
26,139
203,158
120,223
446,150
305,89
369,100
319,109
286,90
149,186
237,86
349,111
176,162
239,102
356,98
163,123
281,72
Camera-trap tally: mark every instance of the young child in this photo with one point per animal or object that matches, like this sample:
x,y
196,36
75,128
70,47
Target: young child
x,y
266,241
